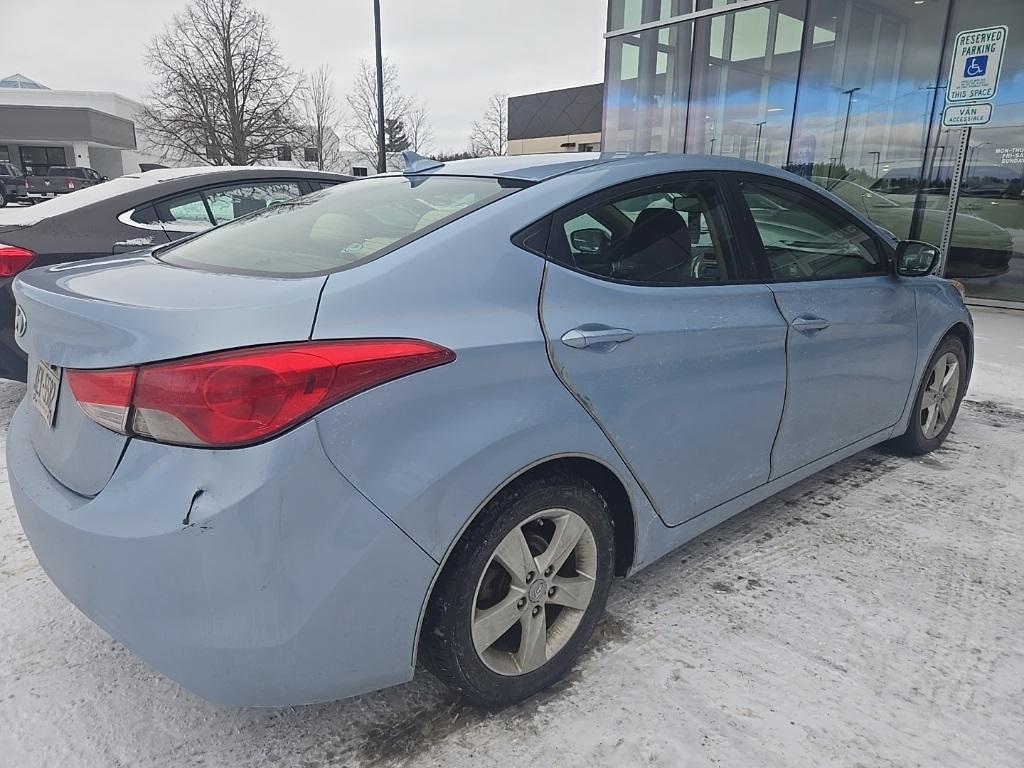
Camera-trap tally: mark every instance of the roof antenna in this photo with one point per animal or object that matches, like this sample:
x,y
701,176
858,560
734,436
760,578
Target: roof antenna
x,y
414,163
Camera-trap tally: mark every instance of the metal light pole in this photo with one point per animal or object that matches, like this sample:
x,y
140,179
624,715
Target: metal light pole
x,y
878,157
846,126
757,144
382,165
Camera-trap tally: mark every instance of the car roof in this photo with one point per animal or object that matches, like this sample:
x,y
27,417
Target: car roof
x,y
545,166
172,174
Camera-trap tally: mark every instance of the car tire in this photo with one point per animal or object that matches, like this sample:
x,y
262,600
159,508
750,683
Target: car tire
x,y
3,199
490,581
937,403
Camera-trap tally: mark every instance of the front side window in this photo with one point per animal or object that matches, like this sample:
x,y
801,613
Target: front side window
x,y
335,228
804,239
669,235
230,203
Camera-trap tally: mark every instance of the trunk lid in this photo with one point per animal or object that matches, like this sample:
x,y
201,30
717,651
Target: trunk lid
x,y
126,311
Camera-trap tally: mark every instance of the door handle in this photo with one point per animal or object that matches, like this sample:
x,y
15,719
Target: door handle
x,y
601,338
810,324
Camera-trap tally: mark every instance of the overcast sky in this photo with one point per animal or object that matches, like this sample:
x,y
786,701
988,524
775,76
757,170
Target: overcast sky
x,y
450,53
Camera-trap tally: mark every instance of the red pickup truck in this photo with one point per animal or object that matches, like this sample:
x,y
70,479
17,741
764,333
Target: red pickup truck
x,y
60,180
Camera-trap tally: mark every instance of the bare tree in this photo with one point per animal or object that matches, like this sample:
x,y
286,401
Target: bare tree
x,y
320,116
361,135
490,135
417,127
221,92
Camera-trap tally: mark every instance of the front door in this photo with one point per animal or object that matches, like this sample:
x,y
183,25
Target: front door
x,y
648,324
852,344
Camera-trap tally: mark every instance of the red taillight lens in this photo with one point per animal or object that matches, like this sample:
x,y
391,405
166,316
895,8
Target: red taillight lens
x,y
14,259
71,183
235,398
105,396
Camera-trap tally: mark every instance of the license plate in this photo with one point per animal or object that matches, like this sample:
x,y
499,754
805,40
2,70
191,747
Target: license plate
x,y
45,388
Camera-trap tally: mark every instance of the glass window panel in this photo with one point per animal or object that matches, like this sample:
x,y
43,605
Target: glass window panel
x,y
866,92
743,88
669,235
750,35
628,14
788,34
630,61
230,203
805,240
646,91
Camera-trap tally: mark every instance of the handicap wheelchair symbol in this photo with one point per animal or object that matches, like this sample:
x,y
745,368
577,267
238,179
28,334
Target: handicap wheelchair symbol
x,y
975,66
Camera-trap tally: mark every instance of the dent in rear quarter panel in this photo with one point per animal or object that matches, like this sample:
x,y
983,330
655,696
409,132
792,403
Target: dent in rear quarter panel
x,y
431,448
939,308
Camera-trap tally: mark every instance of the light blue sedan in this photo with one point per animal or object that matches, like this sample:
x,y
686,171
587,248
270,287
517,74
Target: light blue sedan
x,y
431,415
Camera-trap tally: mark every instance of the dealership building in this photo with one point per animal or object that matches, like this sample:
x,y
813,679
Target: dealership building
x,y
848,93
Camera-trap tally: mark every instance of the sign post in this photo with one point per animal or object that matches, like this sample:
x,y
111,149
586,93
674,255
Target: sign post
x,y
973,80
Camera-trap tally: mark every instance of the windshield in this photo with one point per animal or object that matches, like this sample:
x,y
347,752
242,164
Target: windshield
x,y
336,227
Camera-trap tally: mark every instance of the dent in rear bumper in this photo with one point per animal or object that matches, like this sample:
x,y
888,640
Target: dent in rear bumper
x,y
285,586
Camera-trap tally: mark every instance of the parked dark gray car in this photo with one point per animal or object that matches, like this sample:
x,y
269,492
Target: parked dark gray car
x,y
129,213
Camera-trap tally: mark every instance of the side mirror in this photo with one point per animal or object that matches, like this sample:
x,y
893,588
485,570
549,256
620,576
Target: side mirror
x,y
915,259
589,240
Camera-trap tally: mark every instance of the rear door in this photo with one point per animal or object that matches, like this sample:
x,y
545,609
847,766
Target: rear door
x,y
655,324
852,343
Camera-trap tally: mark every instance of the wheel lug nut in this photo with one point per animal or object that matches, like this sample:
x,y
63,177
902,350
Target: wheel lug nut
x,y
548,570
536,610
551,592
530,576
522,603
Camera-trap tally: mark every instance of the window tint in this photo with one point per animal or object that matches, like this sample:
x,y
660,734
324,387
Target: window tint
x,y
186,213
669,235
804,239
145,215
230,203
335,228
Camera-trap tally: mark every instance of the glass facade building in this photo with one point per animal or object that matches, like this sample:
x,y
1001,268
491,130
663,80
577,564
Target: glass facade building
x,y
848,93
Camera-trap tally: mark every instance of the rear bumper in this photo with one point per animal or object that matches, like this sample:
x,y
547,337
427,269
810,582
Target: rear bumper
x,y
13,361
254,577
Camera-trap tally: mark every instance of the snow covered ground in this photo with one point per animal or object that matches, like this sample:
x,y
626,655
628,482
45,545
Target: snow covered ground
x,y
870,616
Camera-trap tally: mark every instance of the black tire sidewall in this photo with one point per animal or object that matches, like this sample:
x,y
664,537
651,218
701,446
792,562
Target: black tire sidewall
x,y
453,607
916,440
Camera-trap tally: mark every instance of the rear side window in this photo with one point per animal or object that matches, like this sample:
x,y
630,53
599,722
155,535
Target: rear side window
x,y
335,228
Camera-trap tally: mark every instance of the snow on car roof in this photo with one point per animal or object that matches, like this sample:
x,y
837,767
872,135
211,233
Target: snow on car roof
x,y
27,216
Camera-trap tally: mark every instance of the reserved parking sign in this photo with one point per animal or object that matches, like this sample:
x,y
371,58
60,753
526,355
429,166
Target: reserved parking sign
x,y
977,59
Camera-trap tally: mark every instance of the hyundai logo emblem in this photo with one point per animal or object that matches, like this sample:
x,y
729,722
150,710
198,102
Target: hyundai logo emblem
x,y
20,321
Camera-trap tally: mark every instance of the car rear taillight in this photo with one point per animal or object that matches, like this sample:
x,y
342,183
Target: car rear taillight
x,y
105,396
14,259
230,399
71,183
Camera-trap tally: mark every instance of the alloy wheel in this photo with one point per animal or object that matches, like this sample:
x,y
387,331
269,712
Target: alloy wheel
x,y
939,399
534,592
